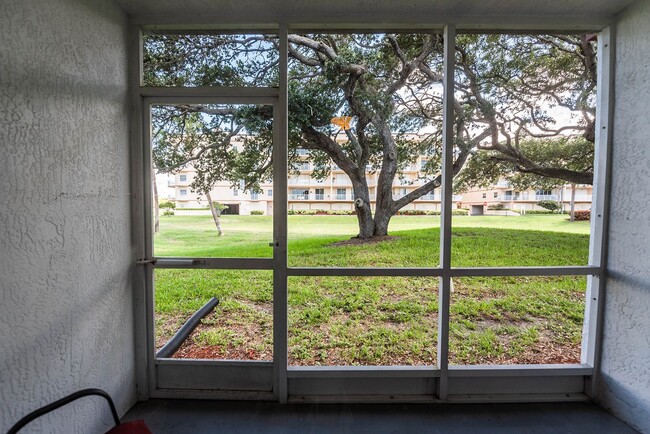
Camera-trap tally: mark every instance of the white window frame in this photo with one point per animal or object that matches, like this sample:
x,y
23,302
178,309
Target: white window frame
x,y
442,383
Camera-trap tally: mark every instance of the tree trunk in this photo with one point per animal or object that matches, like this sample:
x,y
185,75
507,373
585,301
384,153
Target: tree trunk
x,y
382,219
216,213
385,206
573,202
156,209
362,208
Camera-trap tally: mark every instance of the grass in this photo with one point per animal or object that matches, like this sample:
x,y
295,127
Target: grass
x,y
371,320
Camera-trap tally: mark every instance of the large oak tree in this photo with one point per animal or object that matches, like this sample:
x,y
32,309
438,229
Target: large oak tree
x,y
511,92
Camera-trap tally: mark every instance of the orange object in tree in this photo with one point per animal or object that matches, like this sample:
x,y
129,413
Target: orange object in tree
x,y
342,121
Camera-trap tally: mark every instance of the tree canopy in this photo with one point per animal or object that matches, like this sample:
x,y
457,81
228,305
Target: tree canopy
x,y
523,106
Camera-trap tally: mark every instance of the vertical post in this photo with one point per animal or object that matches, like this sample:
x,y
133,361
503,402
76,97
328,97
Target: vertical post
x,y
280,141
445,219
138,213
147,174
595,297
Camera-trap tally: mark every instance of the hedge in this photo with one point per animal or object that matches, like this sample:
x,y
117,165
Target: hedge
x,y
539,211
582,215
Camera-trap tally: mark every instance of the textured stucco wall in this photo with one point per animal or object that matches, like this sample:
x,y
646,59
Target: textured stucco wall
x,y
66,311
625,385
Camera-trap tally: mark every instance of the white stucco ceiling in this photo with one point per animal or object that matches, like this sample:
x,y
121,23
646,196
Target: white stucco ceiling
x,y
377,11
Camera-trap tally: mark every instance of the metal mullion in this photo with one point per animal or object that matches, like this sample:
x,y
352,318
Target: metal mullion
x,y
235,94
446,214
280,173
344,271
595,297
525,271
141,285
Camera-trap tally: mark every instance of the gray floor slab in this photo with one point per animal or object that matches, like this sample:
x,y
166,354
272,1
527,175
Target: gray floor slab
x,y
189,416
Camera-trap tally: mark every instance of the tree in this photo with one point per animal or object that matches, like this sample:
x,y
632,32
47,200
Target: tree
x,y
506,88
168,206
485,168
551,205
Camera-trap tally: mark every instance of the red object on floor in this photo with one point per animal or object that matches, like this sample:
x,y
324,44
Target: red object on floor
x,y
131,427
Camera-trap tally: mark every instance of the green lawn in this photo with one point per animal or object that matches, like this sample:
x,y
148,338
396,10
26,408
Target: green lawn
x,y
378,321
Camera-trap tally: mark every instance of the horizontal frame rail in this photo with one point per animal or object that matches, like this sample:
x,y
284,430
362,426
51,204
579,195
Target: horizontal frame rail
x,y
363,371
525,271
478,371
206,24
344,271
453,272
210,263
266,95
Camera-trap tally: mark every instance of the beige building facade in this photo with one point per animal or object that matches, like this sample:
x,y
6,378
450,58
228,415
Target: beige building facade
x,y
483,200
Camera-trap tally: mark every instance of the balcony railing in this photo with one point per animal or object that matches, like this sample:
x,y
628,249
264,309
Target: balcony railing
x,y
319,196
299,197
547,197
508,197
536,197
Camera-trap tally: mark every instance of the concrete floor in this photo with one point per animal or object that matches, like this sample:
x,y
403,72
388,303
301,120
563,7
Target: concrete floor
x,y
188,416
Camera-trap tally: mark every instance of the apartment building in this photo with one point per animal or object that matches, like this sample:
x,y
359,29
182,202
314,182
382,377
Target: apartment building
x,y
334,193
479,200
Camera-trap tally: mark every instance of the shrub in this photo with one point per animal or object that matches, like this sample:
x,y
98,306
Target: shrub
x,y
168,212
411,212
583,215
302,212
341,212
539,211
257,212
433,212
496,207
166,204
459,212
550,205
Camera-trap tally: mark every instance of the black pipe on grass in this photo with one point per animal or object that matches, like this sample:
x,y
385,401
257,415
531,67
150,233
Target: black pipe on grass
x,y
183,333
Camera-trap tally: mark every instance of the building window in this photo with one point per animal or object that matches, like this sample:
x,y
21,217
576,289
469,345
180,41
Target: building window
x,y
423,163
183,192
270,193
235,192
496,194
299,194
301,151
255,196
320,194
484,195
182,178
340,194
